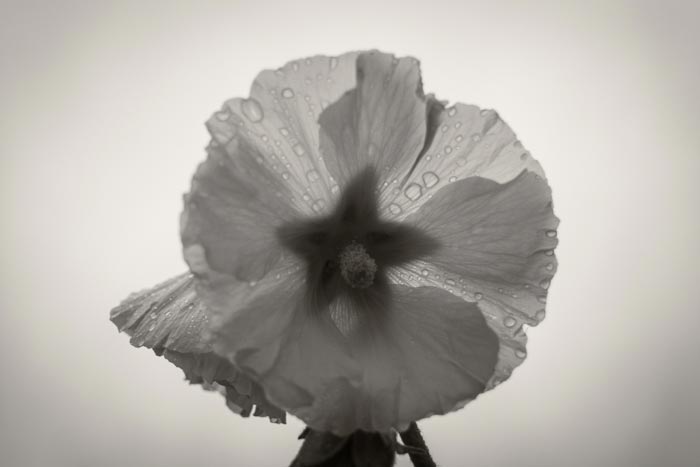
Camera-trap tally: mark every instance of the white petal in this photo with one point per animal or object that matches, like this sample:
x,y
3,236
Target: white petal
x,y
232,213
266,331
382,122
170,319
467,142
280,119
439,353
497,249
168,315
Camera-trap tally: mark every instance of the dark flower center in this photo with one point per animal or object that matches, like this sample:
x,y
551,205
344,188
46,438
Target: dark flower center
x,y
347,252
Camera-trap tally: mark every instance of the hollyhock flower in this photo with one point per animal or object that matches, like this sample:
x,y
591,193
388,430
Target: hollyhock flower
x,y
364,256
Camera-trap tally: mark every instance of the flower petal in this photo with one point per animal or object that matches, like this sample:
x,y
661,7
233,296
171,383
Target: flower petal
x,y
382,122
435,353
497,249
170,319
467,141
233,210
280,120
266,331
166,316
438,355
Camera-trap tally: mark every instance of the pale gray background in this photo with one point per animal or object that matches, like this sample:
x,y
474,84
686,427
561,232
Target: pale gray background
x,y
103,107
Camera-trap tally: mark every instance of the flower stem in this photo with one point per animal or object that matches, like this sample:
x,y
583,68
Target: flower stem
x,y
412,438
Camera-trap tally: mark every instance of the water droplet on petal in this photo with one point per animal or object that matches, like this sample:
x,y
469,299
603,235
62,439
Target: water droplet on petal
x,y
252,110
223,115
318,205
453,179
284,132
371,150
459,138
430,179
452,111
287,93
285,175
448,149
425,273
542,299
520,353
551,233
549,266
335,189
395,208
413,191
312,175
476,137
253,283
539,316
151,327
298,149
450,282
509,321
544,284
478,295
